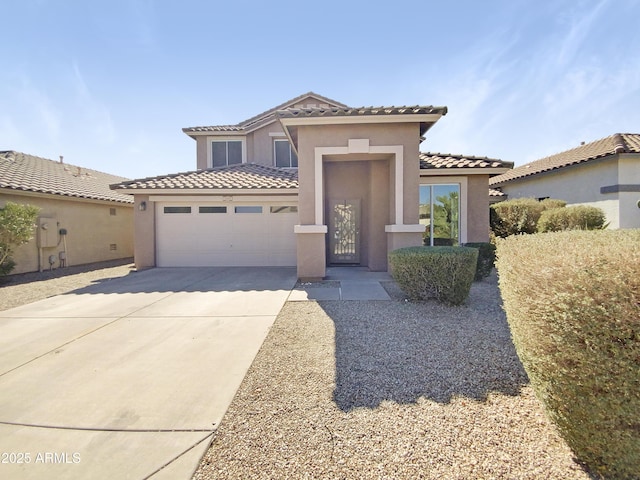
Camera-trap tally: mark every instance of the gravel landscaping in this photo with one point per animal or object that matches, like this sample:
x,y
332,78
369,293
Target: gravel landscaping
x,y
20,289
375,389
348,389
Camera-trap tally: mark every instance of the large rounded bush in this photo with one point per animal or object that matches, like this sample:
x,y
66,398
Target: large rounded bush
x,y
444,273
573,305
578,217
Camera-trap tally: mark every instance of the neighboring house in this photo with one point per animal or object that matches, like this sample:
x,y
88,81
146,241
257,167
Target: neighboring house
x,y
310,183
81,219
604,173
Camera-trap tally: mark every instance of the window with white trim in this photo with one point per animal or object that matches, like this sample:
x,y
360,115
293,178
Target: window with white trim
x,y
226,152
284,154
440,213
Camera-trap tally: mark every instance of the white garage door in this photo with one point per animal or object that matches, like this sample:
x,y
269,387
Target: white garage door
x,y
233,234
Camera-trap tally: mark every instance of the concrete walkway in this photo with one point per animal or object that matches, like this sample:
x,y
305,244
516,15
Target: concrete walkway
x,y
344,283
129,378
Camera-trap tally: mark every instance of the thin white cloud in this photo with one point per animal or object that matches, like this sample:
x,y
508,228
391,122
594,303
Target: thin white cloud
x,y
95,116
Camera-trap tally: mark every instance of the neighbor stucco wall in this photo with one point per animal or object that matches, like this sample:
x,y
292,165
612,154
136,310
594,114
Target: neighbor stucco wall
x,y
629,175
577,184
91,230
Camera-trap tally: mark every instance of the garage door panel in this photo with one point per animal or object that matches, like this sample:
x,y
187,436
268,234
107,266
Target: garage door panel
x,y
225,239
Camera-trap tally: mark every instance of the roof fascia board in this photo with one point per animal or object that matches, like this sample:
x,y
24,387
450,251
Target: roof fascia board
x,y
209,191
427,172
59,196
225,198
341,120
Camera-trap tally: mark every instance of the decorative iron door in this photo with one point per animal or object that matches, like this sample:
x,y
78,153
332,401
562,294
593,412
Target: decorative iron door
x,y
344,231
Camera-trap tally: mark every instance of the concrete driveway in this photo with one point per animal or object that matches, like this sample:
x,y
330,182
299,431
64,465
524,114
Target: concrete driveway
x,y
129,378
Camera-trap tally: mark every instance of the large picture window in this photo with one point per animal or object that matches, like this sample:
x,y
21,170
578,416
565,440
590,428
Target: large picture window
x,y
285,155
228,152
440,213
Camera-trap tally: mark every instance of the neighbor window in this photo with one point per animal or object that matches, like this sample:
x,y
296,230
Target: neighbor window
x,y
285,155
440,212
227,152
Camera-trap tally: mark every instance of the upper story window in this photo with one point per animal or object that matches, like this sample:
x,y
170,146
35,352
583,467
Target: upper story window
x,y
226,152
284,155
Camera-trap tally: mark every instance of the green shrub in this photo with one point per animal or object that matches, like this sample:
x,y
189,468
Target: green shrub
x,y
573,305
444,273
520,215
486,258
578,217
17,224
549,203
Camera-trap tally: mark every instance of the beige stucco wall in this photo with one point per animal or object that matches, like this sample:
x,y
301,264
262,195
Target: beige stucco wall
x,y
258,144
144,234
91,230
477,211
580,185
378,207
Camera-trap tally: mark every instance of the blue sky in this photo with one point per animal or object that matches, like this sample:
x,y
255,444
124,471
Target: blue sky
x,y
110,84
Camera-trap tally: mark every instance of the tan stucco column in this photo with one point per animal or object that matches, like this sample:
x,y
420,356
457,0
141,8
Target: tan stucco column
x,y
144,232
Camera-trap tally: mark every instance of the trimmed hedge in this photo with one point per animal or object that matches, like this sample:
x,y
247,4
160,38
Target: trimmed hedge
x,y
486,258
444,273
520,215
573,305
578,217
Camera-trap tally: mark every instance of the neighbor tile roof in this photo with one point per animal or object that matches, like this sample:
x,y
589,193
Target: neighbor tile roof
x,y
616,143
264,116
430,161
22,172
496,193
242,176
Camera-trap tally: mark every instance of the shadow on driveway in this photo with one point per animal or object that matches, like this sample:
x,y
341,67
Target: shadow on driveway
x,y
196,279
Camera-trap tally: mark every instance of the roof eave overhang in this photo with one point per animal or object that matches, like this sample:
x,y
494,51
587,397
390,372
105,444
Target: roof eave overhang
x,y
462,171
230,133
208,191
360,119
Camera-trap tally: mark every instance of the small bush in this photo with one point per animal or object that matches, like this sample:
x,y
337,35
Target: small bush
x,y
573,305
520,215
444,273
17,225
486,258
549,203
578,217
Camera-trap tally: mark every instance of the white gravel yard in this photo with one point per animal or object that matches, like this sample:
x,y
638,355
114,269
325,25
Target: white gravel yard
x,y
375,389
20,289
346,389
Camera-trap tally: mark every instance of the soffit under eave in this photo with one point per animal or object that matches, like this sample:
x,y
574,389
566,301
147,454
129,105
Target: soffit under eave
x,y
491,172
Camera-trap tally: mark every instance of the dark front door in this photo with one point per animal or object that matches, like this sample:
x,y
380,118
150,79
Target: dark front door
x,y
344,231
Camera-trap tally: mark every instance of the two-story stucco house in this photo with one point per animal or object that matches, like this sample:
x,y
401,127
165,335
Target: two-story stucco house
x,y
310,183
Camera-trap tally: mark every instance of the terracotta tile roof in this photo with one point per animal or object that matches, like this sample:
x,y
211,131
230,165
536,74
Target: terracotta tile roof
x,y
360,111
19,171
242,176
430,161
496,193
617,143
267,115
